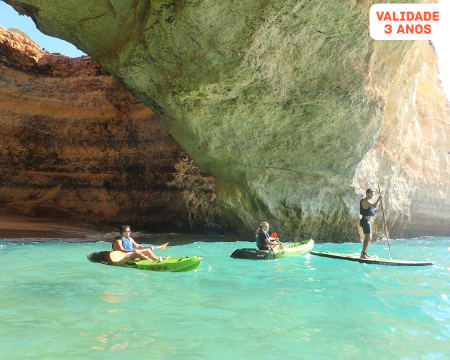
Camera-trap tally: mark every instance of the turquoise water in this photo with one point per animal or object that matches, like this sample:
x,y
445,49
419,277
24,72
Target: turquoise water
x,y
58,305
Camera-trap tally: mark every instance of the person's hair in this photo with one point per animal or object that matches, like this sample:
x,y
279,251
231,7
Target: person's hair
x,y
260,228
123,228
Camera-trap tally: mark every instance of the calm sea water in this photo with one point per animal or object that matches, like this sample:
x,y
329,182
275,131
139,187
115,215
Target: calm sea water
x,y
57,305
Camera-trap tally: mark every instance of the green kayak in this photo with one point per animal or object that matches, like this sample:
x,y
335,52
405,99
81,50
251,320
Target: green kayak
x,y
295,249
172,264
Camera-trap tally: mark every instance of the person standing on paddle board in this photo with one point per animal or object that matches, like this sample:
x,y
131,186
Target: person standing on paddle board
x,y
367,210
126,244
263,239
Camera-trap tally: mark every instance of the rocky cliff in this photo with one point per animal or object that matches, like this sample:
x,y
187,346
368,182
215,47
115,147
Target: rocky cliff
x,y
76,145
290,104
410,158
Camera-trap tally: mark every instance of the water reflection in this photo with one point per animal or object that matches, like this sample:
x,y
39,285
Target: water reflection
x,y
112,298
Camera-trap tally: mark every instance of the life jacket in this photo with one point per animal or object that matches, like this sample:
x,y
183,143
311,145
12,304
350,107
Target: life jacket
x,y
260,238
370,211
126,243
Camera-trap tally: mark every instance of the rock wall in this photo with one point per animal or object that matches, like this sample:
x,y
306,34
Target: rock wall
x,y
410,158
76,145
282,101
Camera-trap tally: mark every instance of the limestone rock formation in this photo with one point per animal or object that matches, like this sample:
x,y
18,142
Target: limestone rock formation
x,y
410,158
282,101
76,145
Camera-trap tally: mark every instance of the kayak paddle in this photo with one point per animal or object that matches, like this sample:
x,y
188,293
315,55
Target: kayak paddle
x,y
162,247
116,256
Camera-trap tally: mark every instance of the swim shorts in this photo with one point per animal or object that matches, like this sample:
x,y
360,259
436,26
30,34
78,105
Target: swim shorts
x,y
365,224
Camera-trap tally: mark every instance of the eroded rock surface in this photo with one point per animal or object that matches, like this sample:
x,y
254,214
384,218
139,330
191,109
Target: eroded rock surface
x,y
282,101
76,145
410,158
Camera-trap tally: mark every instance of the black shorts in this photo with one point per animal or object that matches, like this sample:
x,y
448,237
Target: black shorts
x,y
365,224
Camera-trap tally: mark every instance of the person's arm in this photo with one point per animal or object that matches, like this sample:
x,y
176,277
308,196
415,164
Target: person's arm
x,y
269,240
366,204
140,247
376,204
116,245
275,241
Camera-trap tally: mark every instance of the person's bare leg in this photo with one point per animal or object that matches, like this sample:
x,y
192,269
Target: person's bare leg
x,y
138,256
365,245
151,255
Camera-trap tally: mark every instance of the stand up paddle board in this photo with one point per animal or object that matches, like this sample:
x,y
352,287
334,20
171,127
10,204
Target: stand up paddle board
x,y
373,260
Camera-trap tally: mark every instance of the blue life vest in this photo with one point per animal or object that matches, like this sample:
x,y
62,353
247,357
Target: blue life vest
x,y
370,211
126,243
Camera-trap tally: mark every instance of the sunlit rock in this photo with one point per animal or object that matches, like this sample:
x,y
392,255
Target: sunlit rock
x,y
282,101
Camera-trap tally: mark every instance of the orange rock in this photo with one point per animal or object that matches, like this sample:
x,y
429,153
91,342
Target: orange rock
x,y
76,145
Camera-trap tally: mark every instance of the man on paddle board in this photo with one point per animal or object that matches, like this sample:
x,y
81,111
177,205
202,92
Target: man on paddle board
x,y
126,244
367,210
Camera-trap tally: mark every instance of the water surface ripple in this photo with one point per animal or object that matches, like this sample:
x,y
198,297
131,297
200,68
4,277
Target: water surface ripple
x,y
56,304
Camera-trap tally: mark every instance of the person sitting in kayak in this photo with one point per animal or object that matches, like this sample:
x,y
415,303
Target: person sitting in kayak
x,y
367,210
263,239
126,244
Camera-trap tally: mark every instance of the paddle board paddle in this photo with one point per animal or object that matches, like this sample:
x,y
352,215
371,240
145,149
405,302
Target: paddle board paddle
x,y
384,222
